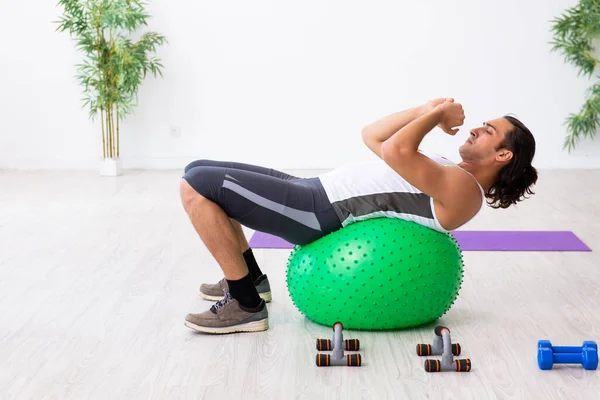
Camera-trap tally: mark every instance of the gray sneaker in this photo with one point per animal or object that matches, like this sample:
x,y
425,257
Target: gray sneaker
x,y
229,316
214,291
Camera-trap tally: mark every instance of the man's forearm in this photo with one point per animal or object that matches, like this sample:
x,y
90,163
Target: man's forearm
x,y
410,137
384,128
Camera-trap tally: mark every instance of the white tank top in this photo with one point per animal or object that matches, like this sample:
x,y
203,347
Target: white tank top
x,y
372,189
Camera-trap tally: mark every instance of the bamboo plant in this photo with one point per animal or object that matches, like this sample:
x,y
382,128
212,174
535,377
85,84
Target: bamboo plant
x,y
574,33
114,65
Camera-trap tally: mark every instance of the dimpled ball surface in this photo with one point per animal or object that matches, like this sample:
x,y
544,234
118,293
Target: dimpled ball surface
x,y
381,273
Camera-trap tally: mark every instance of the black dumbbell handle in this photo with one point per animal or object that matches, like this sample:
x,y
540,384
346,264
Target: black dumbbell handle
x,y
463,365
350,345
323,344
354,360
456,349
323,360
433,365
425,349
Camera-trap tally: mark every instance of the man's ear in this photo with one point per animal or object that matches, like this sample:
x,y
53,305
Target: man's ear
x,y
504,155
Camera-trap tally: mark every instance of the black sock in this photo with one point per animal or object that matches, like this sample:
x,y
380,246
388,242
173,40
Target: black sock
x,y
243,290
253,269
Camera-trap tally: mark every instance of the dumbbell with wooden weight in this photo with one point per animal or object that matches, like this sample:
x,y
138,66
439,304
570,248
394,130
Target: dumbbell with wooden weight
x,y
586,355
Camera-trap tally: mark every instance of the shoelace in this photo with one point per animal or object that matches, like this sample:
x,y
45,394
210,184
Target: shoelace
x,y
221,303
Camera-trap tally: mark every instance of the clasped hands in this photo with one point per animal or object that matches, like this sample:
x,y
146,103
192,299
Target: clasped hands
x,y
452,114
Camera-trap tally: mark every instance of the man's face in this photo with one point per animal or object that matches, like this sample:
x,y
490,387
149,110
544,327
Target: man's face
x,y
481,145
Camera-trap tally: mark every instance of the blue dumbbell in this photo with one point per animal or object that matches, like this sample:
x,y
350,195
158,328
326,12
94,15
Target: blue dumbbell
x,y
586,355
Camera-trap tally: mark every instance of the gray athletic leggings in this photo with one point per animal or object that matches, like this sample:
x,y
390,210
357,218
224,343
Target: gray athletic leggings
x,y
266,200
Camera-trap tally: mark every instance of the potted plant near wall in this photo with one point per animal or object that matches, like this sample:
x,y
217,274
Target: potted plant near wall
x,y
114,66
575,34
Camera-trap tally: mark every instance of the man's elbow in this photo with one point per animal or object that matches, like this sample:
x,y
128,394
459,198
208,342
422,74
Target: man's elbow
x,y
365,133
373,144
395,153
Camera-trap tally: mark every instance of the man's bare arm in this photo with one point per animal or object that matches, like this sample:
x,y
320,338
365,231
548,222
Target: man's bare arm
x,y
446,185
381,130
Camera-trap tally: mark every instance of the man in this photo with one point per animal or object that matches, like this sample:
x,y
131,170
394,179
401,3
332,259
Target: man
x,y
403,182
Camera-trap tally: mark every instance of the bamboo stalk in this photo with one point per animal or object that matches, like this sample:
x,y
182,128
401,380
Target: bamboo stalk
x,y
112,129
112,122
108,132
103,139
109,83
104,142
118,134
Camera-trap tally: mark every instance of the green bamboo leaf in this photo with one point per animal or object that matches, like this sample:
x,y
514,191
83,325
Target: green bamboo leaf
x,y
574,33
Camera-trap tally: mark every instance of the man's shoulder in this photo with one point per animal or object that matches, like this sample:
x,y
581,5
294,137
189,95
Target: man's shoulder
x,y
463,197
437,157
463,187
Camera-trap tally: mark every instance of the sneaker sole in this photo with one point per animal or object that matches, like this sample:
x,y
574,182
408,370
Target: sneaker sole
x,y
256,326
265,296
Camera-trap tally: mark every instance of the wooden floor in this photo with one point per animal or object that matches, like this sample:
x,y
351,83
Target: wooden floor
x,y
97,275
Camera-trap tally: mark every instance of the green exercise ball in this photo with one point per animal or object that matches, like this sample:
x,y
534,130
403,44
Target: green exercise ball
x,y
381,273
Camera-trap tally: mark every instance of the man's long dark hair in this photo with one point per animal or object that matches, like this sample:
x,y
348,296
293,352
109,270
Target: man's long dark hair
x,y
517,177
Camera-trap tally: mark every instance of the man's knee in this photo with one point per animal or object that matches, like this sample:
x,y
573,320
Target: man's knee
x,y
189,196
203,180
194,164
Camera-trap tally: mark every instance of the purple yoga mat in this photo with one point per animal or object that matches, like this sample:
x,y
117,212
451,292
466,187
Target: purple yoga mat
x,y
475,241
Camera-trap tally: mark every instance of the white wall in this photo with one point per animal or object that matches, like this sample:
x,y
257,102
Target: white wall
x,y
291,84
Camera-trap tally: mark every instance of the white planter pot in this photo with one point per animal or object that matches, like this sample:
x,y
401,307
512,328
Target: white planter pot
x,y
111,167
